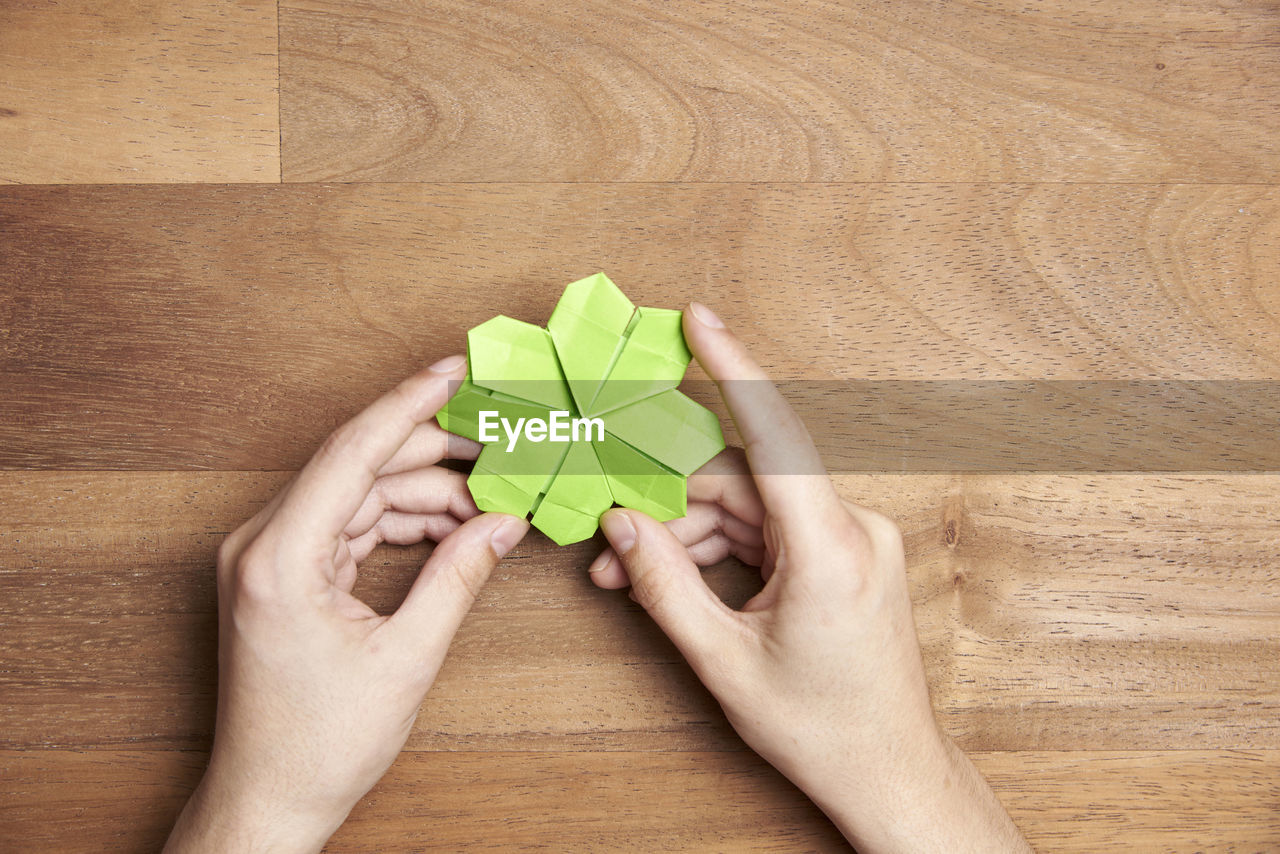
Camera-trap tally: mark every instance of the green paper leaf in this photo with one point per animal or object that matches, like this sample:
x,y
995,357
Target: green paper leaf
x,y
570,510
587,327
641,482
653,360
461,414
495,494
530,467
669,427
519,359
602,356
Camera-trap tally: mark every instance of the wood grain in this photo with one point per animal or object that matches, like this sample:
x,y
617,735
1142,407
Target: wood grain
x,y
1186,800
464,90
233,327
1117,612
138,92
1080,191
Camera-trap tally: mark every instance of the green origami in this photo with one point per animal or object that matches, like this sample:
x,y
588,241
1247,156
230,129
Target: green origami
x,y
602,358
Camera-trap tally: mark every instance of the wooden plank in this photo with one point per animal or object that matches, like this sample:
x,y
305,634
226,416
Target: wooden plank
x,y
462,90
1064,801
233,327
1182,800
1119,612
126,800
138,92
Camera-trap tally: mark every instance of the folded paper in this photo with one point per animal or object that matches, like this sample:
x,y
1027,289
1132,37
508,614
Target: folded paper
x,y
600,357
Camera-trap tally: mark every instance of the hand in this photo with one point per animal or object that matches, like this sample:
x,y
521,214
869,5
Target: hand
x,y
316,692
820,673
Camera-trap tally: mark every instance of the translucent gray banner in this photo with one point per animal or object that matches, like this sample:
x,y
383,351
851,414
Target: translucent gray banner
x,y
1004,426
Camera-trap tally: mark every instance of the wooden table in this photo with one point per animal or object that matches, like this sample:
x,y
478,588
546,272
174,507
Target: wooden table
x,y
233,224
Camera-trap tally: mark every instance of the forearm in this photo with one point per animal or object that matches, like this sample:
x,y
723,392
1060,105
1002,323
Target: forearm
x,y
942,804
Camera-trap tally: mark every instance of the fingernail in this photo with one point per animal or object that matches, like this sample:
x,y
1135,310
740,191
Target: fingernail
x,y
618,529
706,316
505,536
601,563
448,365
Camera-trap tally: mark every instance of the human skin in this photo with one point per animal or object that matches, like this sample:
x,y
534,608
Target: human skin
x,y
820,673
316,692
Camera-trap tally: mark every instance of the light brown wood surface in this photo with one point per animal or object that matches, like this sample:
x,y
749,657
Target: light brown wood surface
x,y
865,191
655,801
212,291
139,91
1055,611
645,90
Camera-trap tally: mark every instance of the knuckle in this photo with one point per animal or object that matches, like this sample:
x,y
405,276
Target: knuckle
x,y
886,536
873,530
730,461
337,442
402,395
653,590
227,554
254,580
379,495
859,556
466,579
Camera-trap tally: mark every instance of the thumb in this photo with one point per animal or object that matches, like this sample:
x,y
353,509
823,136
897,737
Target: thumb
x,y
453,576
668,584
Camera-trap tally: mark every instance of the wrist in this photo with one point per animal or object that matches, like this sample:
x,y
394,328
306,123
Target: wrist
x,y
883,803
224,817
926,796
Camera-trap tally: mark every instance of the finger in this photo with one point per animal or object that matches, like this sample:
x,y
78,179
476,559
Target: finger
x,y
427,445
606,570
726,480
431,490
700,522
344,568
788,472
767,565
669,586
403,529
450,581
718,547
237,540
332,486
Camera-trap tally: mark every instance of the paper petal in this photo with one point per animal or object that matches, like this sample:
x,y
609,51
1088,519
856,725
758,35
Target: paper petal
x,y
529,466
653,360
640,482
519,359
570,511
670,428
587,327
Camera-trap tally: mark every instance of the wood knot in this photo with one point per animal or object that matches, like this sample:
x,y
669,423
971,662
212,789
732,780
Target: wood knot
x,y
952,519
949,533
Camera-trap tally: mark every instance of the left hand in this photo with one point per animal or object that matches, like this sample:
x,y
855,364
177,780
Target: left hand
x,y
316,692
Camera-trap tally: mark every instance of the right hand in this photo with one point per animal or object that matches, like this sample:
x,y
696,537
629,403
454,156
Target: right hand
x,y
820,673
